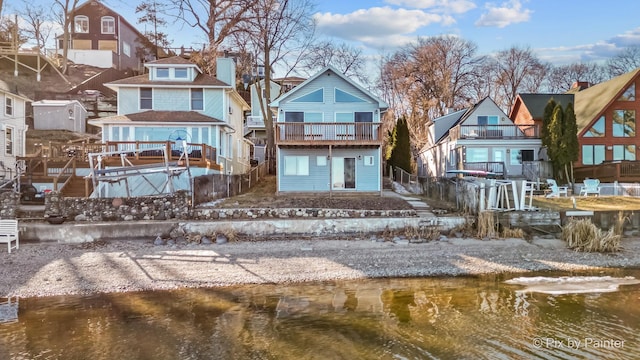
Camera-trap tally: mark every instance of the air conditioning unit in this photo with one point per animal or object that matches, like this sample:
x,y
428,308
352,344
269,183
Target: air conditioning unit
x,y
3,127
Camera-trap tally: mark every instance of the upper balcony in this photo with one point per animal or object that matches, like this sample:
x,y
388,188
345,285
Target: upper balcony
x,y
298,133
495,132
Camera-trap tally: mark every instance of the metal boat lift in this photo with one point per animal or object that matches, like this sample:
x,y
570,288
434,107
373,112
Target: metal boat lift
x,y
102,176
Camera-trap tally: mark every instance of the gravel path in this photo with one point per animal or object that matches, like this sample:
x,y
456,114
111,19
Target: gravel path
x,y
47,269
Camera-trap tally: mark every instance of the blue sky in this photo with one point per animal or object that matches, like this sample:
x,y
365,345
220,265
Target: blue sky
x,y
558,31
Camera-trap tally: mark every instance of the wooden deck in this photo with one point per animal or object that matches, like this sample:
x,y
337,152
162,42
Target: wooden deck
x,y
53,169
620,171
341,134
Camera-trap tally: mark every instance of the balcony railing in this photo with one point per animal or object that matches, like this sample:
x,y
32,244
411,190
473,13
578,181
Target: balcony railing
x,y
255,122
325,133
494,132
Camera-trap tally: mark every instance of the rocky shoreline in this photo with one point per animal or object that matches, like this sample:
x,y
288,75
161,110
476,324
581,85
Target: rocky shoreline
x,y
49,269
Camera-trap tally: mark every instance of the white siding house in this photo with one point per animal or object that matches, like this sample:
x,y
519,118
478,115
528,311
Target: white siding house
x,y
13,129
481,138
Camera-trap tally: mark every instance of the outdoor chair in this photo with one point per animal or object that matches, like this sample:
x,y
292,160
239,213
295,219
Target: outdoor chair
x,y
9,233
590,186
556,190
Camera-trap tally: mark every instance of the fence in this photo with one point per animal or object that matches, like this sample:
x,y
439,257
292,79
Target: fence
x,y
211,187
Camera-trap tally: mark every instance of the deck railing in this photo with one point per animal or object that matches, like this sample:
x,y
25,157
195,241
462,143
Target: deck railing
x,y
200,155
350,132
622,171
494,132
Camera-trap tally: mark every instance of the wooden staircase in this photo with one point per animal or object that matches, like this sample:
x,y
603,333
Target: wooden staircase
x,y
77,186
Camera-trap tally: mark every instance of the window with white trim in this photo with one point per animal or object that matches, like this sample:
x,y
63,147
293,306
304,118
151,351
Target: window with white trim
x,y
296,165
108,25
8,105
197,99
162,73
8,140
126,48
180,73
81,24
146,98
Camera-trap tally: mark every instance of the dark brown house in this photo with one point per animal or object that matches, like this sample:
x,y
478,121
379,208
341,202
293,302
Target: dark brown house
x,y
101,37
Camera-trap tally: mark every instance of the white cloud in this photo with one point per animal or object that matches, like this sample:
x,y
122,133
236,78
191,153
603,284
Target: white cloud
x,y
629,38
379,26
506,14
444,6
598,52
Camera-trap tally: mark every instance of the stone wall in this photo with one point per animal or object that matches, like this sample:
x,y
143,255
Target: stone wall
x,y
178,206
160,207
9,201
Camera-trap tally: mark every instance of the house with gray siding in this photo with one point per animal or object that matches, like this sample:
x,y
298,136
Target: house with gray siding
x,y
480,138
328,136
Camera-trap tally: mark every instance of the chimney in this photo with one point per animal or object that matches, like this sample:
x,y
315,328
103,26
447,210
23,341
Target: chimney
x,y
226,71
580,85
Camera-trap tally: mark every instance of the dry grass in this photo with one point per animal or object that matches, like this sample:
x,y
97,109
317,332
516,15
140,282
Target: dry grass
x,y
593,203
583,235
263,195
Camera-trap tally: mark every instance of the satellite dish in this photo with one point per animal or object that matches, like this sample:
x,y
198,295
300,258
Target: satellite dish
x,y
180,139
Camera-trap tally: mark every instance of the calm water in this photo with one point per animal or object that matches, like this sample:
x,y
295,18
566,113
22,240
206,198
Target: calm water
x,y
452,318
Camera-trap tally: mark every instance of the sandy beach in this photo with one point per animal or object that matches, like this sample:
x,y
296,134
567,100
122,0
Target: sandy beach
x,y
48,269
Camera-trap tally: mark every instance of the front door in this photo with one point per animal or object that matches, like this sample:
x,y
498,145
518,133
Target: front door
x,y
343,173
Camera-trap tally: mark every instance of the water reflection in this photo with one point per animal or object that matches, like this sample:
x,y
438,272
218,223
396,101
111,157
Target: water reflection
x,y
452,318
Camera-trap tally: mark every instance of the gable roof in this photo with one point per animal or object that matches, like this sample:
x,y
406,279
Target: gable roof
x,y
276,102
535,103
593,101
458,117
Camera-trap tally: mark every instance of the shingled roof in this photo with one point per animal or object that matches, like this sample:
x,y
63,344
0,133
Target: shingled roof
x,y
201,80
536,103
161,116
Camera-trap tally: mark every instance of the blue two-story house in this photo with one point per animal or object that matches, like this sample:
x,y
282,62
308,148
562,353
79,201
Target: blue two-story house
x,y
176,102
328,136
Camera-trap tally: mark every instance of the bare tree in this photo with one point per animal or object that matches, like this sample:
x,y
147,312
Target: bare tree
x,y
519,70
38,21
217,19
345,58
423,81
627,60
278,31
561,78
68,9
151,14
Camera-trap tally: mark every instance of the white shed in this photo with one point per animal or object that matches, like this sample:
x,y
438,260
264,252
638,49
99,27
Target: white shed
x,y
59,115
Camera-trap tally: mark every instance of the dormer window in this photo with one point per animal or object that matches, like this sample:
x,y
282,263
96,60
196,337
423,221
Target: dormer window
x,y
162,73
81,24
108,25
181,73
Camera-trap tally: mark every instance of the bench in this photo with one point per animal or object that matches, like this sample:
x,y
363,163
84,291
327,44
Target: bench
x,y
9,233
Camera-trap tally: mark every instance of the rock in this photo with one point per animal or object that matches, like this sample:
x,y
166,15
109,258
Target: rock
x,y
158,241
171,242
221,239
205,240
